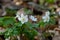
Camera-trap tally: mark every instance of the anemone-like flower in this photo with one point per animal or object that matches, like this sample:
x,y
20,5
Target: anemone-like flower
x,y
46,18
33,18
23,18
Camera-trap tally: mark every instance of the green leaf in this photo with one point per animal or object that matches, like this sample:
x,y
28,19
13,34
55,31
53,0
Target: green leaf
x,y
36,25
31,34
52,21
28,24
8,21
19,24
41,23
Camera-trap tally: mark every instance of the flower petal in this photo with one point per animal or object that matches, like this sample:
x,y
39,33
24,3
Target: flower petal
x,y
47,13
33,18
46,18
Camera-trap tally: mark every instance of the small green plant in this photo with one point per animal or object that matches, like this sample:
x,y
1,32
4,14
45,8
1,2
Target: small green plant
x,y
48,19
21,25
14,28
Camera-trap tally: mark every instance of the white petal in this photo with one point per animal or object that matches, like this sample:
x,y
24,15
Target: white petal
x,y
17,15
33,18
22,15
43,17
26,18
19,19
47,13
46,18
22,22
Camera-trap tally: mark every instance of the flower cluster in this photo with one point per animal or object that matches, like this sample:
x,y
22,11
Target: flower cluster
x,y
24,18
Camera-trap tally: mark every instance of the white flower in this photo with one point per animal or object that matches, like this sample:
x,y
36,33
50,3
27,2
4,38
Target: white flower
x,y
47,13
23,18
33,18
46,18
